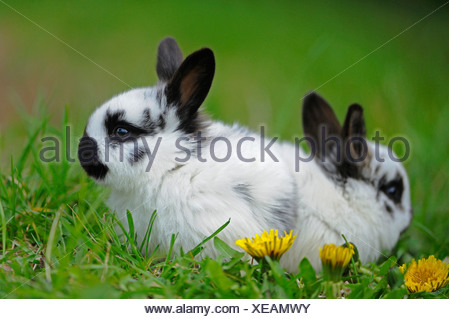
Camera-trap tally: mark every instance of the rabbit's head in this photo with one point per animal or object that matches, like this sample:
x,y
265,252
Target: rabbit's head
x,y
123,135
371,178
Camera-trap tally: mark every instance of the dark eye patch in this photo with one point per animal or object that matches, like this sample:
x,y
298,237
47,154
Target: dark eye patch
x,y
132,131
393,190
116,126
111,120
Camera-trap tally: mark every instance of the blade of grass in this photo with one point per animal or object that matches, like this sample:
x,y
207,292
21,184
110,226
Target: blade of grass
x,y
105,268
172,243
66,145
165,265
146,239
3,183
199,247
130,225
129,240
29,145
3,217
12,203
48,251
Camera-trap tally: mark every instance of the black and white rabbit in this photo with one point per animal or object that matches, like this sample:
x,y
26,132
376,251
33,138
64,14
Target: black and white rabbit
x,y
157,151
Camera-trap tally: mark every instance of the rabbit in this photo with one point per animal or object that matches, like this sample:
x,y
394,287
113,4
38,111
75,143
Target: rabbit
x,y
157,150
358,189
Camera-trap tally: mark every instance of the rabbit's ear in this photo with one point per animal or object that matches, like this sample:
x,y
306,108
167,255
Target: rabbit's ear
x,y
319,123
190,84
341,151
354,127
169,59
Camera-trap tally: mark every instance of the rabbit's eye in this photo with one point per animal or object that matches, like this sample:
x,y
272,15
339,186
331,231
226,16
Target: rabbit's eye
x,y
121,132
393,190
124,131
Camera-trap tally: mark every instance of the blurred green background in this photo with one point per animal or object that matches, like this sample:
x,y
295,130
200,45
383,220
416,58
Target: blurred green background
x,y
269,54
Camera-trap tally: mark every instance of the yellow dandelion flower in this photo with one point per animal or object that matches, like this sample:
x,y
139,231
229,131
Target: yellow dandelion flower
x,y
268,244
335,259
426,275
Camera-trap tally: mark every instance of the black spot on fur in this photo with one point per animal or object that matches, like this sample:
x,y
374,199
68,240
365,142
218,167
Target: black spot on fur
x,y
88,157
393,189
112,119
243,191
146,115
161,122
137,155
151,125
177,167
195,124
388,209
284,210
377,169
147,123
349,170
159,95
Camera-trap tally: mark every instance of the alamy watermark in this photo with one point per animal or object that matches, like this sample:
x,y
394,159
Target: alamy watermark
x,y
197,147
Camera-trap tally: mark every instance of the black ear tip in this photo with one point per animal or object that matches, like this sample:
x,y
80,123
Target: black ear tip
x,y
355,108
203,57
312,99
207,53
309,97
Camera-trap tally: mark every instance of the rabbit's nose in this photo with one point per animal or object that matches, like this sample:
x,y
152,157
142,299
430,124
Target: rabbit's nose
x,y
88,157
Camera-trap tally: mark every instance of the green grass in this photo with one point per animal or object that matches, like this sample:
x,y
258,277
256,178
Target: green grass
x,y
57,236
59,241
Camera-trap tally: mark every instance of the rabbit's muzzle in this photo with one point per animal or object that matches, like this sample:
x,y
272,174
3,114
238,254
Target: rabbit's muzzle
x,y
88,157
